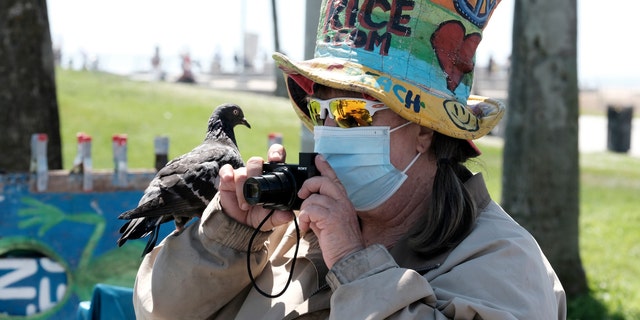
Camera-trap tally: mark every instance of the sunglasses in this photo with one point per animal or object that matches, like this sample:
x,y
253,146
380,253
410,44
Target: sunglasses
x,y
346,112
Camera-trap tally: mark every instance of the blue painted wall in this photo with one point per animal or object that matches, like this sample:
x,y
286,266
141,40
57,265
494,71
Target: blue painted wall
x,y
75,233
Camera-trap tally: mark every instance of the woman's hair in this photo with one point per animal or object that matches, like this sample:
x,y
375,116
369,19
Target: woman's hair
x,y
452,212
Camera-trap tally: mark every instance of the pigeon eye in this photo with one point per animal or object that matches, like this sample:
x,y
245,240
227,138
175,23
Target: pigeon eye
x,y
235,112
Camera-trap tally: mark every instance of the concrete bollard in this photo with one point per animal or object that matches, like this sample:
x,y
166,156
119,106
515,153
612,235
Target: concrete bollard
x,y
274,137
161,147
39,167
120,175
82,164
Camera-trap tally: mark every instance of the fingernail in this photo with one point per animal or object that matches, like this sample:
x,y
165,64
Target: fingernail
x,y
275,154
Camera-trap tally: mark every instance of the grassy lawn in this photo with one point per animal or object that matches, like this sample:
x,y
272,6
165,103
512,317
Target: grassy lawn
x,y
102,105
609,230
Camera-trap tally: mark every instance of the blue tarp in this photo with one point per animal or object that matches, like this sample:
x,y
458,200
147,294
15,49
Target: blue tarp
x,y
108,303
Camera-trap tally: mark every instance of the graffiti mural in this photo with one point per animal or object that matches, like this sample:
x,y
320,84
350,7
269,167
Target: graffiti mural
x,y
56,246
29,286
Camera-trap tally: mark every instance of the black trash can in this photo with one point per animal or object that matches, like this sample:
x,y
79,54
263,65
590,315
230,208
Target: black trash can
x,y
619,128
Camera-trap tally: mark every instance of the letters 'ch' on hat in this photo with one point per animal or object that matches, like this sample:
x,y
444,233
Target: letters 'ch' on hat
x,y
415,56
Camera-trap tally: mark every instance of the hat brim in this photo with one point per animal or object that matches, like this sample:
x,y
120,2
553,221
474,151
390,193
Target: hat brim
x,y
436,110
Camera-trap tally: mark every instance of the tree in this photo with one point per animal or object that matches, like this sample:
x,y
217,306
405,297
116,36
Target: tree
x,y
28,102
312,13
281,88
541,163
312,17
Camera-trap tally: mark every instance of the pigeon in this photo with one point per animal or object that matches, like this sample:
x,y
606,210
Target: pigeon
x,y
183,188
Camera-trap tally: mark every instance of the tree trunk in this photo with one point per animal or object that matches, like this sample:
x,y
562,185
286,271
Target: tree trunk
x,y
28,102
312,17
541,163
281,87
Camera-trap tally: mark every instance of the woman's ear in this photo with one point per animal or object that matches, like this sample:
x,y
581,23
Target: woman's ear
x,y
425,137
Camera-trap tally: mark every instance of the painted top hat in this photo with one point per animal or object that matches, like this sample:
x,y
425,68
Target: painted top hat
x,y
417,57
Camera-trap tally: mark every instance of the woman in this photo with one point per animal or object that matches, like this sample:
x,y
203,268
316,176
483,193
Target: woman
x,y
395,226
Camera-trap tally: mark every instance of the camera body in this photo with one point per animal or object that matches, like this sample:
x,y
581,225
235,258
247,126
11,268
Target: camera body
x,y
278,186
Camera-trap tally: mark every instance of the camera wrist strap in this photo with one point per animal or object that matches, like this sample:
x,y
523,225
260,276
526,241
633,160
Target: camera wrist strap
x,y
293,261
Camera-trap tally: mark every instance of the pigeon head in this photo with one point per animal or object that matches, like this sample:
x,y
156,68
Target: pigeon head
x,y
224,118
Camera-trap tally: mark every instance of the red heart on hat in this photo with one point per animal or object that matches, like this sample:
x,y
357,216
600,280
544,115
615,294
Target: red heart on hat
x,y
455,50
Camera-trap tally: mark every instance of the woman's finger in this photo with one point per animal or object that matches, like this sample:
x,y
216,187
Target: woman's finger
x,y
328,184
253,168
276,153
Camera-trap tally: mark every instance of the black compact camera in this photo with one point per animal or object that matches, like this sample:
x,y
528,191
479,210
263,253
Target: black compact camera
x,y
278,186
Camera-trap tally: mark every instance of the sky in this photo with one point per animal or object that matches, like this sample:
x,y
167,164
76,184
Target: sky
x,y
124,33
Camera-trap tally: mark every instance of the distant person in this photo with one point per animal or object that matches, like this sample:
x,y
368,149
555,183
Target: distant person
x,y
85,60
216,64
156,65
57,55
237,63
395,226
491,66
187,72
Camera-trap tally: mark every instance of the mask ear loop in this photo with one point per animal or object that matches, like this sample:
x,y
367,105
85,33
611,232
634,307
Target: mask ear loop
x,y
417,155
411,163
400,126
293,261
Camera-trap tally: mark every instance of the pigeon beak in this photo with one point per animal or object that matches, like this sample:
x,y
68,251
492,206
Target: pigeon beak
x,y
246,123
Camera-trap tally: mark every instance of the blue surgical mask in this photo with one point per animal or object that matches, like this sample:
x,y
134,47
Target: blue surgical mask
x,y
360,157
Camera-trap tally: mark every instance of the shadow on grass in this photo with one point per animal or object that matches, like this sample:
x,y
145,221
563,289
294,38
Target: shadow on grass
x,y
588,307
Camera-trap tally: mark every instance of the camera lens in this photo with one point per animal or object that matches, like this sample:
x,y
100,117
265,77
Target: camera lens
x,y
252,191
276,190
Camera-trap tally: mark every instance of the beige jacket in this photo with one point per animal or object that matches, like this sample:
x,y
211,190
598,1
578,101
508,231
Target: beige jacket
x,y
497,272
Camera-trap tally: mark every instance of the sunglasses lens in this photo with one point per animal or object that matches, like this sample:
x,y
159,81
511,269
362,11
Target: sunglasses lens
x,y
350,113
347,113
315,110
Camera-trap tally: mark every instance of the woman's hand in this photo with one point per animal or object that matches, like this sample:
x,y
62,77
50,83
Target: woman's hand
x,y
329,213
232,197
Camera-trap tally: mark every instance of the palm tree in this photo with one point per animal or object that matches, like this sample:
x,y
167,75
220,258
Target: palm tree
x,y
281,90
541,169
28,100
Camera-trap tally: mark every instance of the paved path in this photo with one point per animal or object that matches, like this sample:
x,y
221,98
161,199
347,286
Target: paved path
x,y
593,135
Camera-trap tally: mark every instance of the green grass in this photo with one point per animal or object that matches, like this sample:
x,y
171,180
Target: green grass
x,y
609,230
103,105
